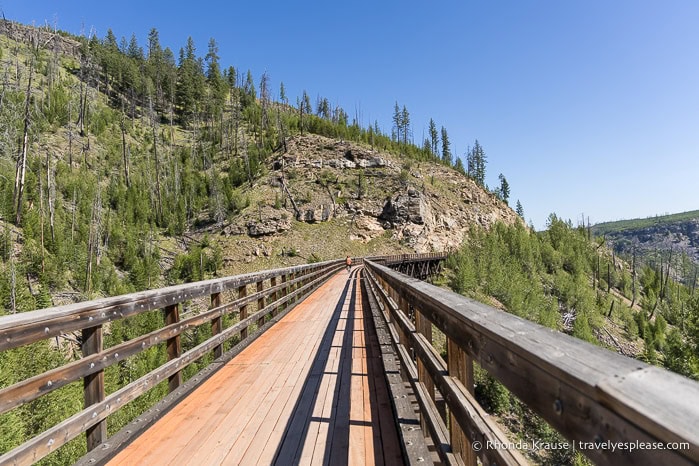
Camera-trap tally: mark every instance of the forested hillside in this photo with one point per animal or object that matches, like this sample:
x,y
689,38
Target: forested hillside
x,y
562,280
130,166
668,243
120,159
127,167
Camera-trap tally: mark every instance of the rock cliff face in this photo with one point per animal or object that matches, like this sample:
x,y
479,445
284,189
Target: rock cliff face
x,y
424,206
44,36
679,236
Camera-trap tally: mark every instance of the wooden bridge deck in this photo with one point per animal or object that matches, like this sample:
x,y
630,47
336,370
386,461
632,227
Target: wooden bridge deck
x,y
310,390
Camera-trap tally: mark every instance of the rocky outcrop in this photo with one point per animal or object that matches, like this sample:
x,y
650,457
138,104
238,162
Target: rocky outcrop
x,y
315,214
268,226
679,236
320,180
43,36
366,229
410,207
303,153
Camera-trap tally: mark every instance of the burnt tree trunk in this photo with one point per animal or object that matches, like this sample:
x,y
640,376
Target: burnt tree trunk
x,y
21,171
124,151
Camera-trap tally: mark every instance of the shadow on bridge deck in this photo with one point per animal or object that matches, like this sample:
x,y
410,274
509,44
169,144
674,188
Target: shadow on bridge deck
x,y
311,390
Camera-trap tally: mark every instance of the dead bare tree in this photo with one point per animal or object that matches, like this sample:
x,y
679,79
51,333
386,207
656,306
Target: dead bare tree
x,y
51,195
663,292
247,160
154,128
21,170
264,103
218,205
291,198
13,285
122,125
70,132
74,208
633,279
93,242
236,123
41,221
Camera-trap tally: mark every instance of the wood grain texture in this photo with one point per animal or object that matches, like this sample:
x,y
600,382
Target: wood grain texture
x,y
93,386
56,436
587,393
174,346
304,389
216,323
28,327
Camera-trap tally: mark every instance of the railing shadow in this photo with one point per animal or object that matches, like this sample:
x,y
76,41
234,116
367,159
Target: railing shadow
x,y
291,446
387,450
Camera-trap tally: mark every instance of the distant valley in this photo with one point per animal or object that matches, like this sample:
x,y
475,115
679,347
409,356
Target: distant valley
x,y
656,238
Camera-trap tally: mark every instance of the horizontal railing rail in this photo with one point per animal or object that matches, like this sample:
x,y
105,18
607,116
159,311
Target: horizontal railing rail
x,y
275,291
614,409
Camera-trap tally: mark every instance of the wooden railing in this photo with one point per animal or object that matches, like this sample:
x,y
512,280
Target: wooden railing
x,y
275,292
614,409
400,258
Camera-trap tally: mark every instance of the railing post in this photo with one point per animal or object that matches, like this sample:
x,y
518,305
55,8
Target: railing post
x,y
260,303
273,296
243,292
404,307
387,311
93,385
174,347
285,291
217,324
424,327
460,367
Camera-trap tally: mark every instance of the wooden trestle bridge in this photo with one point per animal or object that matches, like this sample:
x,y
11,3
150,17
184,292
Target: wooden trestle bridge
x,y
317,365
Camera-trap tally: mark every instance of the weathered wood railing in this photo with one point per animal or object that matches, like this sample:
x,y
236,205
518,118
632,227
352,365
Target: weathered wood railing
x,y
614,409
285,287
419,266
393,259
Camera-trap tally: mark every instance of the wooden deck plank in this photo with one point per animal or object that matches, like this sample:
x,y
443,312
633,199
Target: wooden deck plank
x,y
258,434
314,450
159,439
262,447
357,433
205,411
372,450
338,446
305,393
267,453
219,445
208,438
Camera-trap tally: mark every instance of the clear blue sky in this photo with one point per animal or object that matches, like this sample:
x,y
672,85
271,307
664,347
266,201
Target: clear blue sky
x,y
586,106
